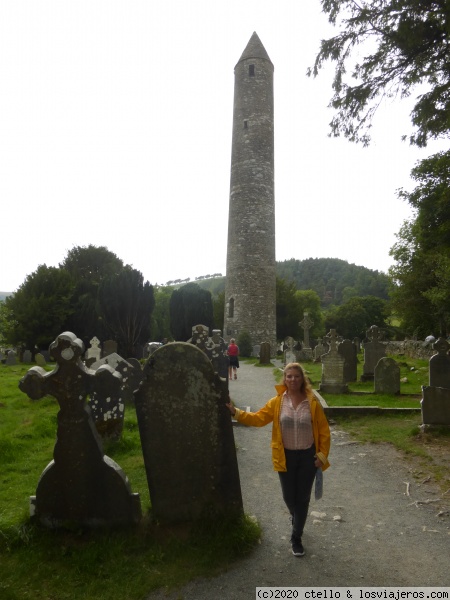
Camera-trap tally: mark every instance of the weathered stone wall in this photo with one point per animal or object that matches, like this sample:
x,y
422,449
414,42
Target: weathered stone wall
x,y
410,349
250,281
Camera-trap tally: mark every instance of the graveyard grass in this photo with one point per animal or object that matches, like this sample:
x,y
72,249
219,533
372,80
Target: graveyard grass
x,y
116,564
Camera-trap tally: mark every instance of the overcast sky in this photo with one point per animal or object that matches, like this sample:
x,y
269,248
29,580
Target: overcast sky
x,y
115,130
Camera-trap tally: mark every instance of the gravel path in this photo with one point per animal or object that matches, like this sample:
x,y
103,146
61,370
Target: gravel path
x,y
369,529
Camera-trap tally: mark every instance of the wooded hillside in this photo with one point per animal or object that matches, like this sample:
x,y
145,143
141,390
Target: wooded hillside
x,y
334,280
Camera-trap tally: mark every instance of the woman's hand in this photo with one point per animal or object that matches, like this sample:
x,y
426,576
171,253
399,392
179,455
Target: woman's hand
x,y
231,408
317,462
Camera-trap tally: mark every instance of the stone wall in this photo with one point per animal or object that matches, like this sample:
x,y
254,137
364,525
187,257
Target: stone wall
x,y
410,348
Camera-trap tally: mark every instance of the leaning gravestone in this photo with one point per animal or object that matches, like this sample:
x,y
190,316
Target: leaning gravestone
x,y
347,350
373,351
81,486
440,365
113,360
333,380
187,437
387,377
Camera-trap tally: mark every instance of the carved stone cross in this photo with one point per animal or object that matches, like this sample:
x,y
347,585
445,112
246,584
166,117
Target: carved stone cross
x,y
307,323
332,339
373,333
81,485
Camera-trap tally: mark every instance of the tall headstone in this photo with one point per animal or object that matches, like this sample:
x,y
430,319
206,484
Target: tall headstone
x,y
333,381
373,351
440,364
81,486
27,357
250,299
435,405
347,350
187,437
387,377
264,354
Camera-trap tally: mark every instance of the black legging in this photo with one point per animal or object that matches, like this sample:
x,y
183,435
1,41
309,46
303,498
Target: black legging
x,y
296,485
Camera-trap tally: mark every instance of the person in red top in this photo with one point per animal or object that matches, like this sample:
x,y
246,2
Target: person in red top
x,y
233,357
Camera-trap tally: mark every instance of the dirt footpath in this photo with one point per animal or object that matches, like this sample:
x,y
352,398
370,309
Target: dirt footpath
x,y
376,525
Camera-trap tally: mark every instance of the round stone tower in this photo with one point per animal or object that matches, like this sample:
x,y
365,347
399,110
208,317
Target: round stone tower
x,y
250,276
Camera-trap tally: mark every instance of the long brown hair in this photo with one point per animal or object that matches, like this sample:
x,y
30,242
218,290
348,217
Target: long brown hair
x,y
306,384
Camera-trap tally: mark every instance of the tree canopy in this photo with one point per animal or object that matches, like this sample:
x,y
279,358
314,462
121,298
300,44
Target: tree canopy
x,y
290,306
89,266
355,317
404,46
421,275
40,307
190,306
333,279
126,304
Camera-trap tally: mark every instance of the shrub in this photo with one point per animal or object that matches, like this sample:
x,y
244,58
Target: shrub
x,y
244,342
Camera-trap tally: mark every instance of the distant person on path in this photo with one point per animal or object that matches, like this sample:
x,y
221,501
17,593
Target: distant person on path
x,y
300,442
233,357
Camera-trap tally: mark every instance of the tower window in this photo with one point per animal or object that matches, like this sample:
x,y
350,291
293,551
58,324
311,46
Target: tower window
x,y
245,124
251,70
231,308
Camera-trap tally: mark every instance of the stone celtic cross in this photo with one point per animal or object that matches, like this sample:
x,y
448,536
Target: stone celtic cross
x,y
306,323
81,485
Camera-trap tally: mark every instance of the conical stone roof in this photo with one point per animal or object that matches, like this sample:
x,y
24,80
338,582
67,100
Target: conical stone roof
x,y
254,49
